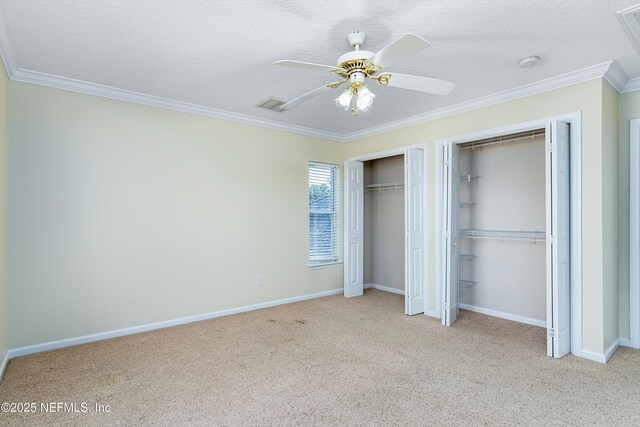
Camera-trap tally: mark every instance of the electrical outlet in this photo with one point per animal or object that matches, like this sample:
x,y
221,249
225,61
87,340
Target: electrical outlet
x,y
259,280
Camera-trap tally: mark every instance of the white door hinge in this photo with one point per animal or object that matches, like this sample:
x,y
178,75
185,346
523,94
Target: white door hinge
x,y
552,332
445,306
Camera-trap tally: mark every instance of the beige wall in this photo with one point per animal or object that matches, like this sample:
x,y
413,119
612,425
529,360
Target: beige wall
x,y
610,206
4,203
123,214
629,110
585,97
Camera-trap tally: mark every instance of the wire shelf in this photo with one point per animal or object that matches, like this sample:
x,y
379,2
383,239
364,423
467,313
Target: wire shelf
x,y
466,284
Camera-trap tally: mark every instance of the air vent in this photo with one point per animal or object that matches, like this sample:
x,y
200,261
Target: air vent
x,y
271,103
630,20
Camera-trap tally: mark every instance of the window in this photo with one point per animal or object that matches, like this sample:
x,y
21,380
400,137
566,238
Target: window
x,y
323,214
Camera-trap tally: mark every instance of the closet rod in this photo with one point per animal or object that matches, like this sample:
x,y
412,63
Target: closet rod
x,y
502,139
522,235
468,178
384,186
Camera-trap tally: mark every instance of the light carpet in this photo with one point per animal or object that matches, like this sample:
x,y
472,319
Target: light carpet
x,y
328,361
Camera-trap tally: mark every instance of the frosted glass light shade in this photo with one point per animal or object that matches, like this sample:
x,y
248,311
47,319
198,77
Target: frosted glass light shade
x,y
344,100
365,98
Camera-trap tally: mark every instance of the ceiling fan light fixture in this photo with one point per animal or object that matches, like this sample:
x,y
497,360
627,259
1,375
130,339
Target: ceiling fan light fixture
x,y
357,94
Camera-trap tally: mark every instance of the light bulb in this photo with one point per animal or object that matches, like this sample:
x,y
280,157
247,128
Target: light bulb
x,y
365,98
344,100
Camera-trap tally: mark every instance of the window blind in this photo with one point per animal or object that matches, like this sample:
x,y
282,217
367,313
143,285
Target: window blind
x,y
323,213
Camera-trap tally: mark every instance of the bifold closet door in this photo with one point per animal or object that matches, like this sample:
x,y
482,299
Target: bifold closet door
x,y
414,237
354,229
451,214
558,241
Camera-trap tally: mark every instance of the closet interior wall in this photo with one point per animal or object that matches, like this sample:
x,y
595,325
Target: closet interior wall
x,y
384,249
502,190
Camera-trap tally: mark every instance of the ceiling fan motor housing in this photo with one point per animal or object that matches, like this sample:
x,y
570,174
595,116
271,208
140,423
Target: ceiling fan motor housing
x,y
354,55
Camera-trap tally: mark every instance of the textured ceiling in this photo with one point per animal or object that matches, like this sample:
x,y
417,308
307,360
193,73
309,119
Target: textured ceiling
x,y
218,53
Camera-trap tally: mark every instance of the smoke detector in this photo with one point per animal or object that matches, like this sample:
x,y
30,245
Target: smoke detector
x,y
529,61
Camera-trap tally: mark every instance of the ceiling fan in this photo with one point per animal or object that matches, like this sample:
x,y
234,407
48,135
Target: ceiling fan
x,y
358,65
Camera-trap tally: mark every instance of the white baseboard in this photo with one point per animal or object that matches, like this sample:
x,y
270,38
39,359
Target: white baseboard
x,y
592,355
602,357
433,313
502,315
3,365
625,342
384,288
23,351
611,350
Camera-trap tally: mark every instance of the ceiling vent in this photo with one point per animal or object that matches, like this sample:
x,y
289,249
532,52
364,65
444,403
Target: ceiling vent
x,y
630,20
271,103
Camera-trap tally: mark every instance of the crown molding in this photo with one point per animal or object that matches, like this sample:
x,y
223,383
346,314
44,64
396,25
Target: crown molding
x,y
616,77
44,79
633,84
609,71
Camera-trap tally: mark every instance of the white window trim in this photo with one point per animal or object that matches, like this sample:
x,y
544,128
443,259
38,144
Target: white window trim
x,y
320,266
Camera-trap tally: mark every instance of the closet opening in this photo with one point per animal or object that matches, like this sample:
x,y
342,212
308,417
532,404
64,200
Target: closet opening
x,y
385,225
506,229
502,225
383,250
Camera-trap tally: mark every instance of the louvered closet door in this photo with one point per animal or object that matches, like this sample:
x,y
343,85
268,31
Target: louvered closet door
x,y
354,229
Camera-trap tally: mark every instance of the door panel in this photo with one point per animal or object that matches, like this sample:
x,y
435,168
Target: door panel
x,y
452,193
354,229
558,241
415,263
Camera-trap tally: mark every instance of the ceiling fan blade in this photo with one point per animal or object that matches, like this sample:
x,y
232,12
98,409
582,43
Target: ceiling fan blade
x,y
305,65
405,46
421,84
304,98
